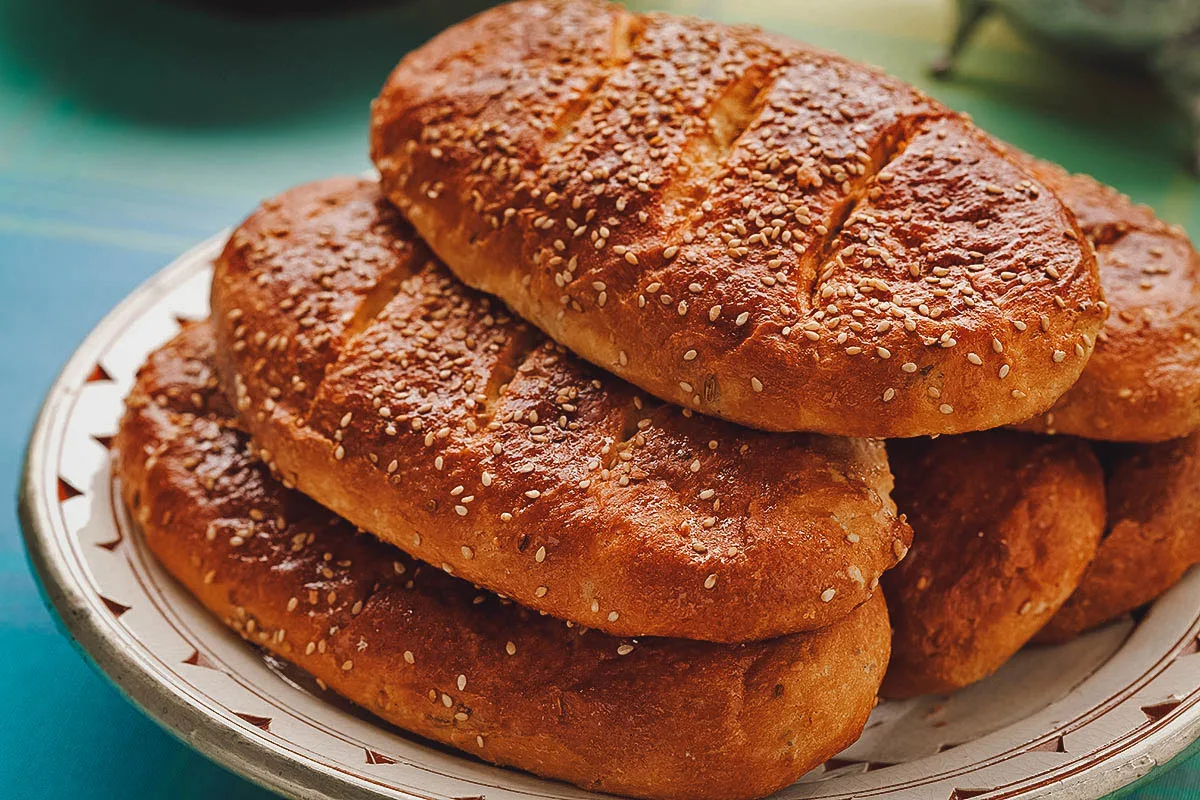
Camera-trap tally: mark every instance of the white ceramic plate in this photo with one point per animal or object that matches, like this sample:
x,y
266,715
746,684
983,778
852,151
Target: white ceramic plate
x,y
1076,721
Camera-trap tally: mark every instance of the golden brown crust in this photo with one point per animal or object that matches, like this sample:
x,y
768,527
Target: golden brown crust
x,y
737,223
652,718
1004,525
421,411
1142,383
1153,534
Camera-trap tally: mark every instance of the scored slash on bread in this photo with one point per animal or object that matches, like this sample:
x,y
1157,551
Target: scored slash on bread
x,y
652,718
425,413
737,223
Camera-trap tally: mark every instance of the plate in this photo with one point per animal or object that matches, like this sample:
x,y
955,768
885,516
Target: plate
x,y
1074,721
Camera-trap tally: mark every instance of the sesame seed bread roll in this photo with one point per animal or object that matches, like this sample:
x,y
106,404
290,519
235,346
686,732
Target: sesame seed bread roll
x,y
652,718
426,413
1142,383
739,223
1004,525
1153,534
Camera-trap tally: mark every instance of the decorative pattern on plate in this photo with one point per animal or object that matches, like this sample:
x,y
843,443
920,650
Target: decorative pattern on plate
x,y
1074,721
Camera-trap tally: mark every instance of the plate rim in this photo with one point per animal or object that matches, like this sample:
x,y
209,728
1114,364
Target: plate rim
x,y
254,757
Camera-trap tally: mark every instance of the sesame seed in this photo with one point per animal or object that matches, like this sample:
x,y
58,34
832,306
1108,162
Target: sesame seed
x,y
408,657
974,359
347,665
828,595
883,352
533,494
447,700
540,591
339,453
1059,356
462,682
624,649
888,394
613,616
946,408
690,355
741,318
909,367
756,384
540,555
710,581
510,648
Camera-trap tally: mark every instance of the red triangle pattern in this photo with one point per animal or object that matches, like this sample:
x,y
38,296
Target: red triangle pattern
x,y
104,441
113,545
1191,646
66,491
198,659
1054,745
1159,710
259,722
113,606
965,794
98,373
378,758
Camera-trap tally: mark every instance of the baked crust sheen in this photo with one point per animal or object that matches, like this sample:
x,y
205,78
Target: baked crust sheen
x,y
738,223
423,412
431,654
1142,383
1004,526
1153,534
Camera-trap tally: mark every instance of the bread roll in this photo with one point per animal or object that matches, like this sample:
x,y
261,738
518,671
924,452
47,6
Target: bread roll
x,y
1004,525
654,718
1142,383
423,412
1153,534
739,223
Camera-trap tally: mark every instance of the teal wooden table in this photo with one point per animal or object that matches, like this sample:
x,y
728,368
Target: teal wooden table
x,y
130,129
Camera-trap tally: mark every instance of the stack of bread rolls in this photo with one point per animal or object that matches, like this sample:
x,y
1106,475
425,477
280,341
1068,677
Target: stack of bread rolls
x,y
563,442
